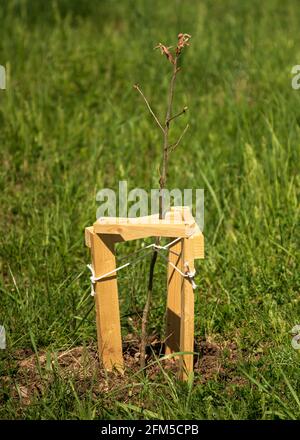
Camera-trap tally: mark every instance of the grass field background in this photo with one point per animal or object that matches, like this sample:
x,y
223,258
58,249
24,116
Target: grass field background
x,y
72,124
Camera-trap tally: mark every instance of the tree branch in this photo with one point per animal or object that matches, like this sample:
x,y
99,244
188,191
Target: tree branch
x,y
163,177
149,107
178,114
175,145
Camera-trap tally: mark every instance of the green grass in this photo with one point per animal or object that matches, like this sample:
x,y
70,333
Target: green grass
x,y
71,124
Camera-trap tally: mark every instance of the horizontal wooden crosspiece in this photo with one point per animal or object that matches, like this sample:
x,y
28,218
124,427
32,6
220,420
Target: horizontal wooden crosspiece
x,y
178,222
142,227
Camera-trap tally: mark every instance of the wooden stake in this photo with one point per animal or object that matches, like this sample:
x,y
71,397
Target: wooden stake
x,y
107,302
175,285
187,315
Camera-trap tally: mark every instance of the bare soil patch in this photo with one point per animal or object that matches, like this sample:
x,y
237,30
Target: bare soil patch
x,y
32,373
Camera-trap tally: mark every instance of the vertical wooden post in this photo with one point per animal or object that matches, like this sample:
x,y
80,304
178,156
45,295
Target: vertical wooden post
x,y
187,314
107,302
175,284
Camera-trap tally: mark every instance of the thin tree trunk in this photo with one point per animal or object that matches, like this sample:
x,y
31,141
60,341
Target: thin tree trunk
x,y
162,184
183,40
144,337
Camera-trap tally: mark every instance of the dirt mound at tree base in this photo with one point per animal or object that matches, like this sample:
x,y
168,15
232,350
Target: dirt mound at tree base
x,y
31,373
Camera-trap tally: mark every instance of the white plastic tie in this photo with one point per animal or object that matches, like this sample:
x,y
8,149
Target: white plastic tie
x,y
94,279
190,274
157,246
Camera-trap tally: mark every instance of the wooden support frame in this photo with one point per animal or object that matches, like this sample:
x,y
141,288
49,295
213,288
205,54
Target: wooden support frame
x,y
101,239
